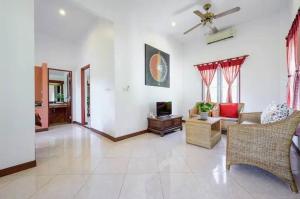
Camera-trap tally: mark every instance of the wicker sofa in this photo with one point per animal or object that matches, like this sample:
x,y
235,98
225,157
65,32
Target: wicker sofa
x,y
263,145
225,121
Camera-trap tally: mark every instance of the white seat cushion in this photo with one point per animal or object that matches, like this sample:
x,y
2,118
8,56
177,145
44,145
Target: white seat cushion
x,y
248,122
229,119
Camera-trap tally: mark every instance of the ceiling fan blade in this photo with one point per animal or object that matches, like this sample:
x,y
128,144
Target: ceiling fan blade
x,y
198,13
222,14
213,28
189,30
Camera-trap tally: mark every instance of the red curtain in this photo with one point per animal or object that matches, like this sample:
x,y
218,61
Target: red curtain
x,y
292,41
207,72
231,69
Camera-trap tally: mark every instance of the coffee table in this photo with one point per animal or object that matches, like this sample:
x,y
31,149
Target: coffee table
x,y
204,133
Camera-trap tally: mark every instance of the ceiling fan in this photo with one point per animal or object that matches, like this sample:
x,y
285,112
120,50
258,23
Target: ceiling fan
x,y
208,17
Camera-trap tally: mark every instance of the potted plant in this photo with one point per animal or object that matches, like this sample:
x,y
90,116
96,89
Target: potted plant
x,y
204,109
60,97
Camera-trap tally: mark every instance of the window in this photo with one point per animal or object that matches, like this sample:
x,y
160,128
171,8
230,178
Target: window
x,y
292,73
213,89
219,87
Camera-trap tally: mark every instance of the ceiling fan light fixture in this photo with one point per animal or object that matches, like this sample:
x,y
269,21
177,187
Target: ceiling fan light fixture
x,y
207,6
173,24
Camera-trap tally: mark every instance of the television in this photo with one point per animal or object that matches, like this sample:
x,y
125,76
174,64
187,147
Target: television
x,y
163,109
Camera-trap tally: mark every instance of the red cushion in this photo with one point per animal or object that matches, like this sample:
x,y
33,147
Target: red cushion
x,y
229,110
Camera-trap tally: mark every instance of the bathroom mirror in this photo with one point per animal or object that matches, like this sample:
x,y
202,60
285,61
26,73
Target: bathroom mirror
x,y
58,86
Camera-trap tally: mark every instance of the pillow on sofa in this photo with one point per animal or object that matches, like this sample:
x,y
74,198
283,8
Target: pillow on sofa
x,y
229,110
275,113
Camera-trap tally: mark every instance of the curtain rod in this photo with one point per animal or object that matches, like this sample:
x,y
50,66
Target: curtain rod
x,y
221,60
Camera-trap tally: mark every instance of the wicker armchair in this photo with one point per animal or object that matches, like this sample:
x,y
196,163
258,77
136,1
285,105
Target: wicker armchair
x,y
250,117
263,145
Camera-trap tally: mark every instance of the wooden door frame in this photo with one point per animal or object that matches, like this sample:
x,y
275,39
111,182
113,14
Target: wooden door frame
x,y
82,83
70,89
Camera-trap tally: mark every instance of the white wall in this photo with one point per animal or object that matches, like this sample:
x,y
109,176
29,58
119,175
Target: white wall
x,y
116,55
56,52
16,83
60,54
134,105
260,74
294,5
130,35
97,49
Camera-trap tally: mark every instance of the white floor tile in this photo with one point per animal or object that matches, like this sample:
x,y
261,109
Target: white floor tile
x,y
221,185
23,187
62,187
181,186
141,186
142,165
106,186
73,162
259,182
112,165
173,165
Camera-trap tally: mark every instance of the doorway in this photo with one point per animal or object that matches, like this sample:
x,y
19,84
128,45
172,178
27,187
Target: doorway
x,y
85,96
60,96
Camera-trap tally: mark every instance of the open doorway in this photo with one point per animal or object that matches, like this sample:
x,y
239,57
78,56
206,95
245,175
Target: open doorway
x,y
85,96
60,96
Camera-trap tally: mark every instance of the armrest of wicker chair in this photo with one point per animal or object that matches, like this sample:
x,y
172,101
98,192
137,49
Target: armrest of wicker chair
x,y
215,112
193,112
250,117
264,145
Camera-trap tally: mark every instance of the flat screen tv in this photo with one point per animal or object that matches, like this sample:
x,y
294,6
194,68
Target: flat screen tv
x,y
163,108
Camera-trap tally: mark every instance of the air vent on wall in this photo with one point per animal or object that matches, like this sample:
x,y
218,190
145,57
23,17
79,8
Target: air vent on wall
x,y
221,35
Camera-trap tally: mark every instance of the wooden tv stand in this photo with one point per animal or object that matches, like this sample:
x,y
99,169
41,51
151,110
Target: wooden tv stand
x,y
166,124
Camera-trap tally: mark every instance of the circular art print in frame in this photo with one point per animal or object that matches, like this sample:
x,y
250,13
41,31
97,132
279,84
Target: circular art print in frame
x,y
157,67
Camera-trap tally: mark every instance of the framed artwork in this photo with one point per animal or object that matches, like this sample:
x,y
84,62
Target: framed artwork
x,y
157,67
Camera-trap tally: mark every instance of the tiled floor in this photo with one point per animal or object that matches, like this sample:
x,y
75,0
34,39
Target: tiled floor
x,y
76,163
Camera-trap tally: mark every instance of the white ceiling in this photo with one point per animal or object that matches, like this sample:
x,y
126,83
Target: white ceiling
x,y
158,14
250,10
71,27
154,14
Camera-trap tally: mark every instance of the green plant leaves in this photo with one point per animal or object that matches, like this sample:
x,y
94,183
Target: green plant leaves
x,y
204,107
59,97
